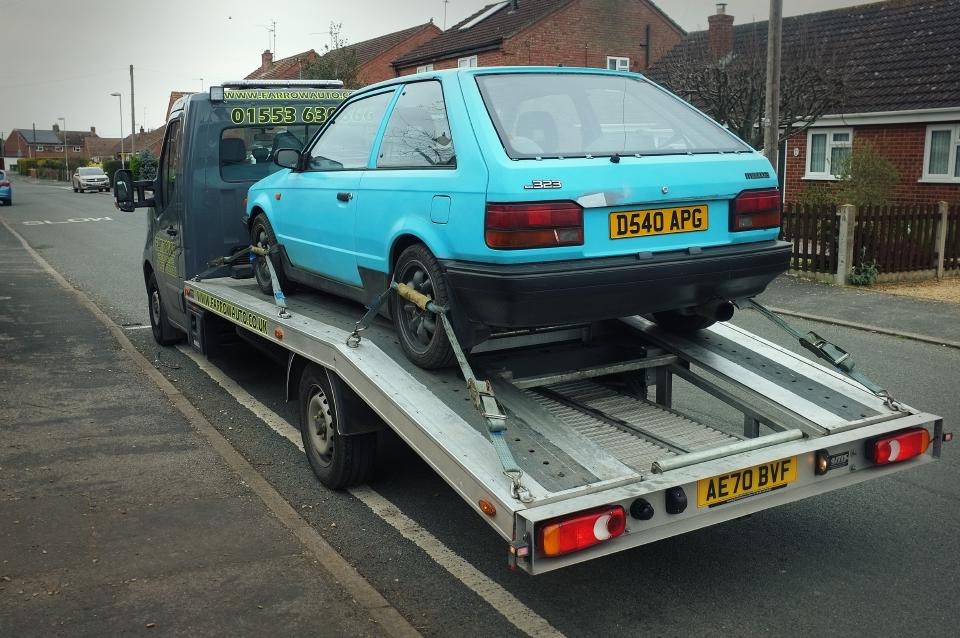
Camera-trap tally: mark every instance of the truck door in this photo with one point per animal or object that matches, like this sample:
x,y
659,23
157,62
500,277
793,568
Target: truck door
x,y
168,223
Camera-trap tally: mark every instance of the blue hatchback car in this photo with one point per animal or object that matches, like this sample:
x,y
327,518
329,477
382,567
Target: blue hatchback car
x,y
523,197
6,190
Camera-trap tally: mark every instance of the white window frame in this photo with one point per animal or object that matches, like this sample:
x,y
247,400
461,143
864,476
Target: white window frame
x,y
424,68
58,149
469,62
77,149
948,177
619,63
38,147
827,174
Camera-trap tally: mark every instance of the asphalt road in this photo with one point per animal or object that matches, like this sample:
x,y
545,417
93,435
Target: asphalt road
x,y
879,558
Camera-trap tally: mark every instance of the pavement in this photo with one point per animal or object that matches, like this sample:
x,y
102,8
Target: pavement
x,y
938,321
118,518
876,559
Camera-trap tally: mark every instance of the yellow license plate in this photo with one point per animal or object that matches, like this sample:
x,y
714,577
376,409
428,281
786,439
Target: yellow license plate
x,y
746,482
658,221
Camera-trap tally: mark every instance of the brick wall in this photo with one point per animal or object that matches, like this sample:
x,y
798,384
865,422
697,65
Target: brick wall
x,y
381,67
583,34
902,144
26,149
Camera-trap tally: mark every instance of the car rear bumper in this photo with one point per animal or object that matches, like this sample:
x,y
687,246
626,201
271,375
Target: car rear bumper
x,y
547,293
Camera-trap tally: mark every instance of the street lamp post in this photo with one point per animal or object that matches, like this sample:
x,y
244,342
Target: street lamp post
x,y
66,160
122,164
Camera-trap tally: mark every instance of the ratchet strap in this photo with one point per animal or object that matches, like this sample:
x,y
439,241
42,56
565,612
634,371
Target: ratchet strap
x,y
254,251
481,392
833,354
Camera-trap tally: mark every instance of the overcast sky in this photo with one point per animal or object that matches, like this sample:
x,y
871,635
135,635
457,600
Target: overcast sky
x,y
63,58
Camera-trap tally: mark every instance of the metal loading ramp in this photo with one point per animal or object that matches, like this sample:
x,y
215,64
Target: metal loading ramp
x,y
634,431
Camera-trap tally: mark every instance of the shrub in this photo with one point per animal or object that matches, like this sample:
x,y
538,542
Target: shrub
x,y
110,167
866,177
865,272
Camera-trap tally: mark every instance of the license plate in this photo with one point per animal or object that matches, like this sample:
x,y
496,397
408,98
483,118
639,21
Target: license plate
x,y
746,482
658,221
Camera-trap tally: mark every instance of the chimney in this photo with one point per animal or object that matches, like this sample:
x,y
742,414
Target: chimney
x,y
93,130
141,130
56,128
266,60
720,33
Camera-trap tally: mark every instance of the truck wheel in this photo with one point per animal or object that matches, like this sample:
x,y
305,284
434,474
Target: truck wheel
x,y
163,332
681,323
261,234
420,333
338,461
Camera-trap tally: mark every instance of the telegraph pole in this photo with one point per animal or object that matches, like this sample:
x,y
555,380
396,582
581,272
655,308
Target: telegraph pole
x,y
771,118
133,117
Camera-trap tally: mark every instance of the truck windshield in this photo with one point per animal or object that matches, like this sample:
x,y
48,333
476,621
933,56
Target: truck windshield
x,y
247,152
580,114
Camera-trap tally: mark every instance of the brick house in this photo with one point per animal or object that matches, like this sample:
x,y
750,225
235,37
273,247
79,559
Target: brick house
x,y
374,56
46,143
901,96
615,34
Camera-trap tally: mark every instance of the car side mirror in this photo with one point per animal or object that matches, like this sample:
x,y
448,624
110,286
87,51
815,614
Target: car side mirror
x,y
287,158
129,195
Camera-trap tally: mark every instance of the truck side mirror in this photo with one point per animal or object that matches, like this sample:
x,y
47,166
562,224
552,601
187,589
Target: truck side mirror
x,y
287,158
129,195
123,190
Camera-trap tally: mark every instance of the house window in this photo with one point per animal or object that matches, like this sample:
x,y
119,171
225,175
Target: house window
x,y
39,147
826,150
618,64
58,149
425,68
941,154
77,149
467,63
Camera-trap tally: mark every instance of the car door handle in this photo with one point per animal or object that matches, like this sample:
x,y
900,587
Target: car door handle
x,y
170,230
344,197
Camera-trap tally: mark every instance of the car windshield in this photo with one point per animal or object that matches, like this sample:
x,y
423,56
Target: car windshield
x,y
575,115
90,171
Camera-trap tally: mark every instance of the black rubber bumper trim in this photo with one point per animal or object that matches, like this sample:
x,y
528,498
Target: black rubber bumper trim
x,y
547,293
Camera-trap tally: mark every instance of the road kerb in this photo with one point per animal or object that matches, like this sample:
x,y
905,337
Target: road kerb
x,y
392,622
913,336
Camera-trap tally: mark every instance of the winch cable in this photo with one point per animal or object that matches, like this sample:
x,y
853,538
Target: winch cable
x,y
836,356
481,392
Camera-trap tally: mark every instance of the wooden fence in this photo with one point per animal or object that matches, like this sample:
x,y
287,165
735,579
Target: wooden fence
x,y
900,240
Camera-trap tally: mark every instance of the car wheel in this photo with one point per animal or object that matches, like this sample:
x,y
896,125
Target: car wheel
x,y
261,235
680,322
420,332
163,331
338,461
75,189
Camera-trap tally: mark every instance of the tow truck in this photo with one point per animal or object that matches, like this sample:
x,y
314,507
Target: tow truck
x,y
569,440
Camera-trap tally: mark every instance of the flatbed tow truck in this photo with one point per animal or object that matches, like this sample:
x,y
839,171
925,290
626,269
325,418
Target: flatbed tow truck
x,y
599,457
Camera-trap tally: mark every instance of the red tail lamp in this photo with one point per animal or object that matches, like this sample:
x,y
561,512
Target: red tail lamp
x,y
579,531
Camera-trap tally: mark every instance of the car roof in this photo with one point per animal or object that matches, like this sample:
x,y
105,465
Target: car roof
x,y
491,70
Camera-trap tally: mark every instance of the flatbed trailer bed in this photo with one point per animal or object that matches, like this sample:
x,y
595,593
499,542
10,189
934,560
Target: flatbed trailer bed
x,y
579,420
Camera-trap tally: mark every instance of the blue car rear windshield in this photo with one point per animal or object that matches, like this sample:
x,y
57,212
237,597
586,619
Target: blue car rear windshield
x,y
580,114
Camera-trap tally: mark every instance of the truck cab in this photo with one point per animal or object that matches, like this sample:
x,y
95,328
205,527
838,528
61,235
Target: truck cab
x,y
216,145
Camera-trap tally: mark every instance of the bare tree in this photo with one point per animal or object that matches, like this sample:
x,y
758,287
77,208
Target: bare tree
x,y
340,62
731,89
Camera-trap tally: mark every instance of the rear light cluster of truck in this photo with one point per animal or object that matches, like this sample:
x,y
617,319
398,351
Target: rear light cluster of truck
x,y
754,210
582,530
899,447
533,225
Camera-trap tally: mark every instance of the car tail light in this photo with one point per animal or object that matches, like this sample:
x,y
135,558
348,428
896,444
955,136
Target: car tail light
x,y
582,530
753,210
899,447
4,183
534,225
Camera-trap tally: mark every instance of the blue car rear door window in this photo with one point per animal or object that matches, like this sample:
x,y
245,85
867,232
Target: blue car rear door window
x,y
418,132
347,141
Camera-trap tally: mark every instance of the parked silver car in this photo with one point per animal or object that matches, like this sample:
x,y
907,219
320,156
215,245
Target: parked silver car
x,y
90,178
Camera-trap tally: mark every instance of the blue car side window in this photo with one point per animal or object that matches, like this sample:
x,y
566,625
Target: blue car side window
x,y
347,141
418,133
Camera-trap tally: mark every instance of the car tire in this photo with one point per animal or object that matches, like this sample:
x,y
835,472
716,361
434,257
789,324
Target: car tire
x,y
338,461
420,333
75,189
163,331
262,235
681,323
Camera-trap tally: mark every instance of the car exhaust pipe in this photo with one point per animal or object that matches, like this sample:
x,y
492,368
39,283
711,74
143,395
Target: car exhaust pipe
x,y
717,310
